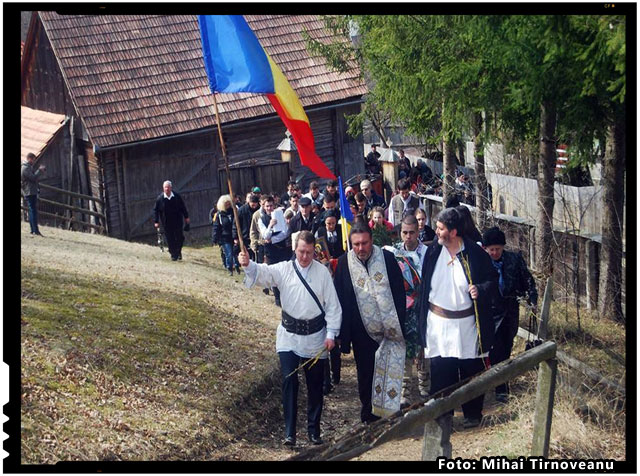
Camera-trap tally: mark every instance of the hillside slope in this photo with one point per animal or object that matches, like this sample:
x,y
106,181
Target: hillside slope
x,y
127,355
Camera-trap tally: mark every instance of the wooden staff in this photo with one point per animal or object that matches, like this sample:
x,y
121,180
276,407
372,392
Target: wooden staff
x,y
226,167
467,271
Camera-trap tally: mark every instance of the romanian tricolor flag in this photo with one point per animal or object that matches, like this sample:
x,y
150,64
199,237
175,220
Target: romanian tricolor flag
x,y
236,62
346,216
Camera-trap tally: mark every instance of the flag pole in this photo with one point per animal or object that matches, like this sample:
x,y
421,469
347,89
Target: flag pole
x,y
226,167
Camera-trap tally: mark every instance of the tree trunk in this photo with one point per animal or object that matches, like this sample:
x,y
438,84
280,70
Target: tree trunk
x,y
482,201
546,175
610,292
449,169
461,159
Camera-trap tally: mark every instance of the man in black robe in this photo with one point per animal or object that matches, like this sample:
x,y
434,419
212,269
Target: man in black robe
x,y
353,330
170,210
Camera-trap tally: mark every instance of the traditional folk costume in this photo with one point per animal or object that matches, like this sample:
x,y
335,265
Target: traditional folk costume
x,y
455,338
373,320
410,263
302,331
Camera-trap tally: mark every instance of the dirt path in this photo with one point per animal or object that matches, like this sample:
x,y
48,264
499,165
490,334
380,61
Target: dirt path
x,y
201,275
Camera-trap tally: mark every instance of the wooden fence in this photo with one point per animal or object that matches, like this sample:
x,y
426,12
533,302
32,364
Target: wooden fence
x,y
421,417
577,210
69,214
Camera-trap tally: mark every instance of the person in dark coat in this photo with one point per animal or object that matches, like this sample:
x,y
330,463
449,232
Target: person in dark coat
x,y
171,211
333,236
331,190
425,232
455,309
245,214
514,282
29,182
286,196
332,233
353,331
223,225
329,206
304,219
372,198
371,160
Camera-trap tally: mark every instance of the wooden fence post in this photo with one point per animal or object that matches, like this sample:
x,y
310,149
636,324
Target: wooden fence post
x,y
593,263
546,309
437,434
544,407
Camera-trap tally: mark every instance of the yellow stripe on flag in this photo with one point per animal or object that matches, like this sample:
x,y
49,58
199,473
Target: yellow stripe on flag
x,y
346,228
286,95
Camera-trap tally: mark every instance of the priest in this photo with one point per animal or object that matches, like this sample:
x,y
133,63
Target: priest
x,y
370,288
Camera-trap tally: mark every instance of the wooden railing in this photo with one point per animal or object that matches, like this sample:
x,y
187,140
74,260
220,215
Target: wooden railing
x,y
424,417
68,216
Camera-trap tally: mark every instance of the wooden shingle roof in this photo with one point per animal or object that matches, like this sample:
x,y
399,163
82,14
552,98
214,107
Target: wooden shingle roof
x,y
37,129
134,78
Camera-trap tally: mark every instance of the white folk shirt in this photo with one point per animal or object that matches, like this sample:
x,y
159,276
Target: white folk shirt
x,y
168,197
450,290
298,303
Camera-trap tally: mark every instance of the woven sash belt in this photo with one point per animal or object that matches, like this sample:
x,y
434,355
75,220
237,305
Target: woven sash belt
x,y
303,327
450,314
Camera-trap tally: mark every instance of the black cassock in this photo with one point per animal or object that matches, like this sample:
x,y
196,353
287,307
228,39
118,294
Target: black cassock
x,y
353,332
171,214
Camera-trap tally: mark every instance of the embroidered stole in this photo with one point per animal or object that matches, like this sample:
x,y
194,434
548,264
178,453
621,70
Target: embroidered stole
x,y
380,319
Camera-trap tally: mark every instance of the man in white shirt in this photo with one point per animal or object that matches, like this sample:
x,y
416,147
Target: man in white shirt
x,y
309,327
275,241
455,312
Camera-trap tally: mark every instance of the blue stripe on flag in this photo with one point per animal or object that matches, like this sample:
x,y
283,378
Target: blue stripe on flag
x,y
233,57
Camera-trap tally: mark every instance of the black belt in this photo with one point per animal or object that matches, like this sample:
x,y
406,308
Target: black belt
x,y
302,327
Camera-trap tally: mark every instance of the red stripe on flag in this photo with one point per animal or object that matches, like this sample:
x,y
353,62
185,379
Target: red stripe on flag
x,y
303,137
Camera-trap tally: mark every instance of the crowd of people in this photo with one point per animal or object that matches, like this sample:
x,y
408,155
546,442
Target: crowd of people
x,y
399,294
403,296
421,178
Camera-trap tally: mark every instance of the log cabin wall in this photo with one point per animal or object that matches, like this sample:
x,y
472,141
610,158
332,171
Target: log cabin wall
x,y
348,150
133,176
56,158
43,85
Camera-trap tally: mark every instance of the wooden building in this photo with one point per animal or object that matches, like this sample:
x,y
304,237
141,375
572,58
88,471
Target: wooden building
x,y
136,89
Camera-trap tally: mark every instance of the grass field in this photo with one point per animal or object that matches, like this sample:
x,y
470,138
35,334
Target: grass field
x,y
127,355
